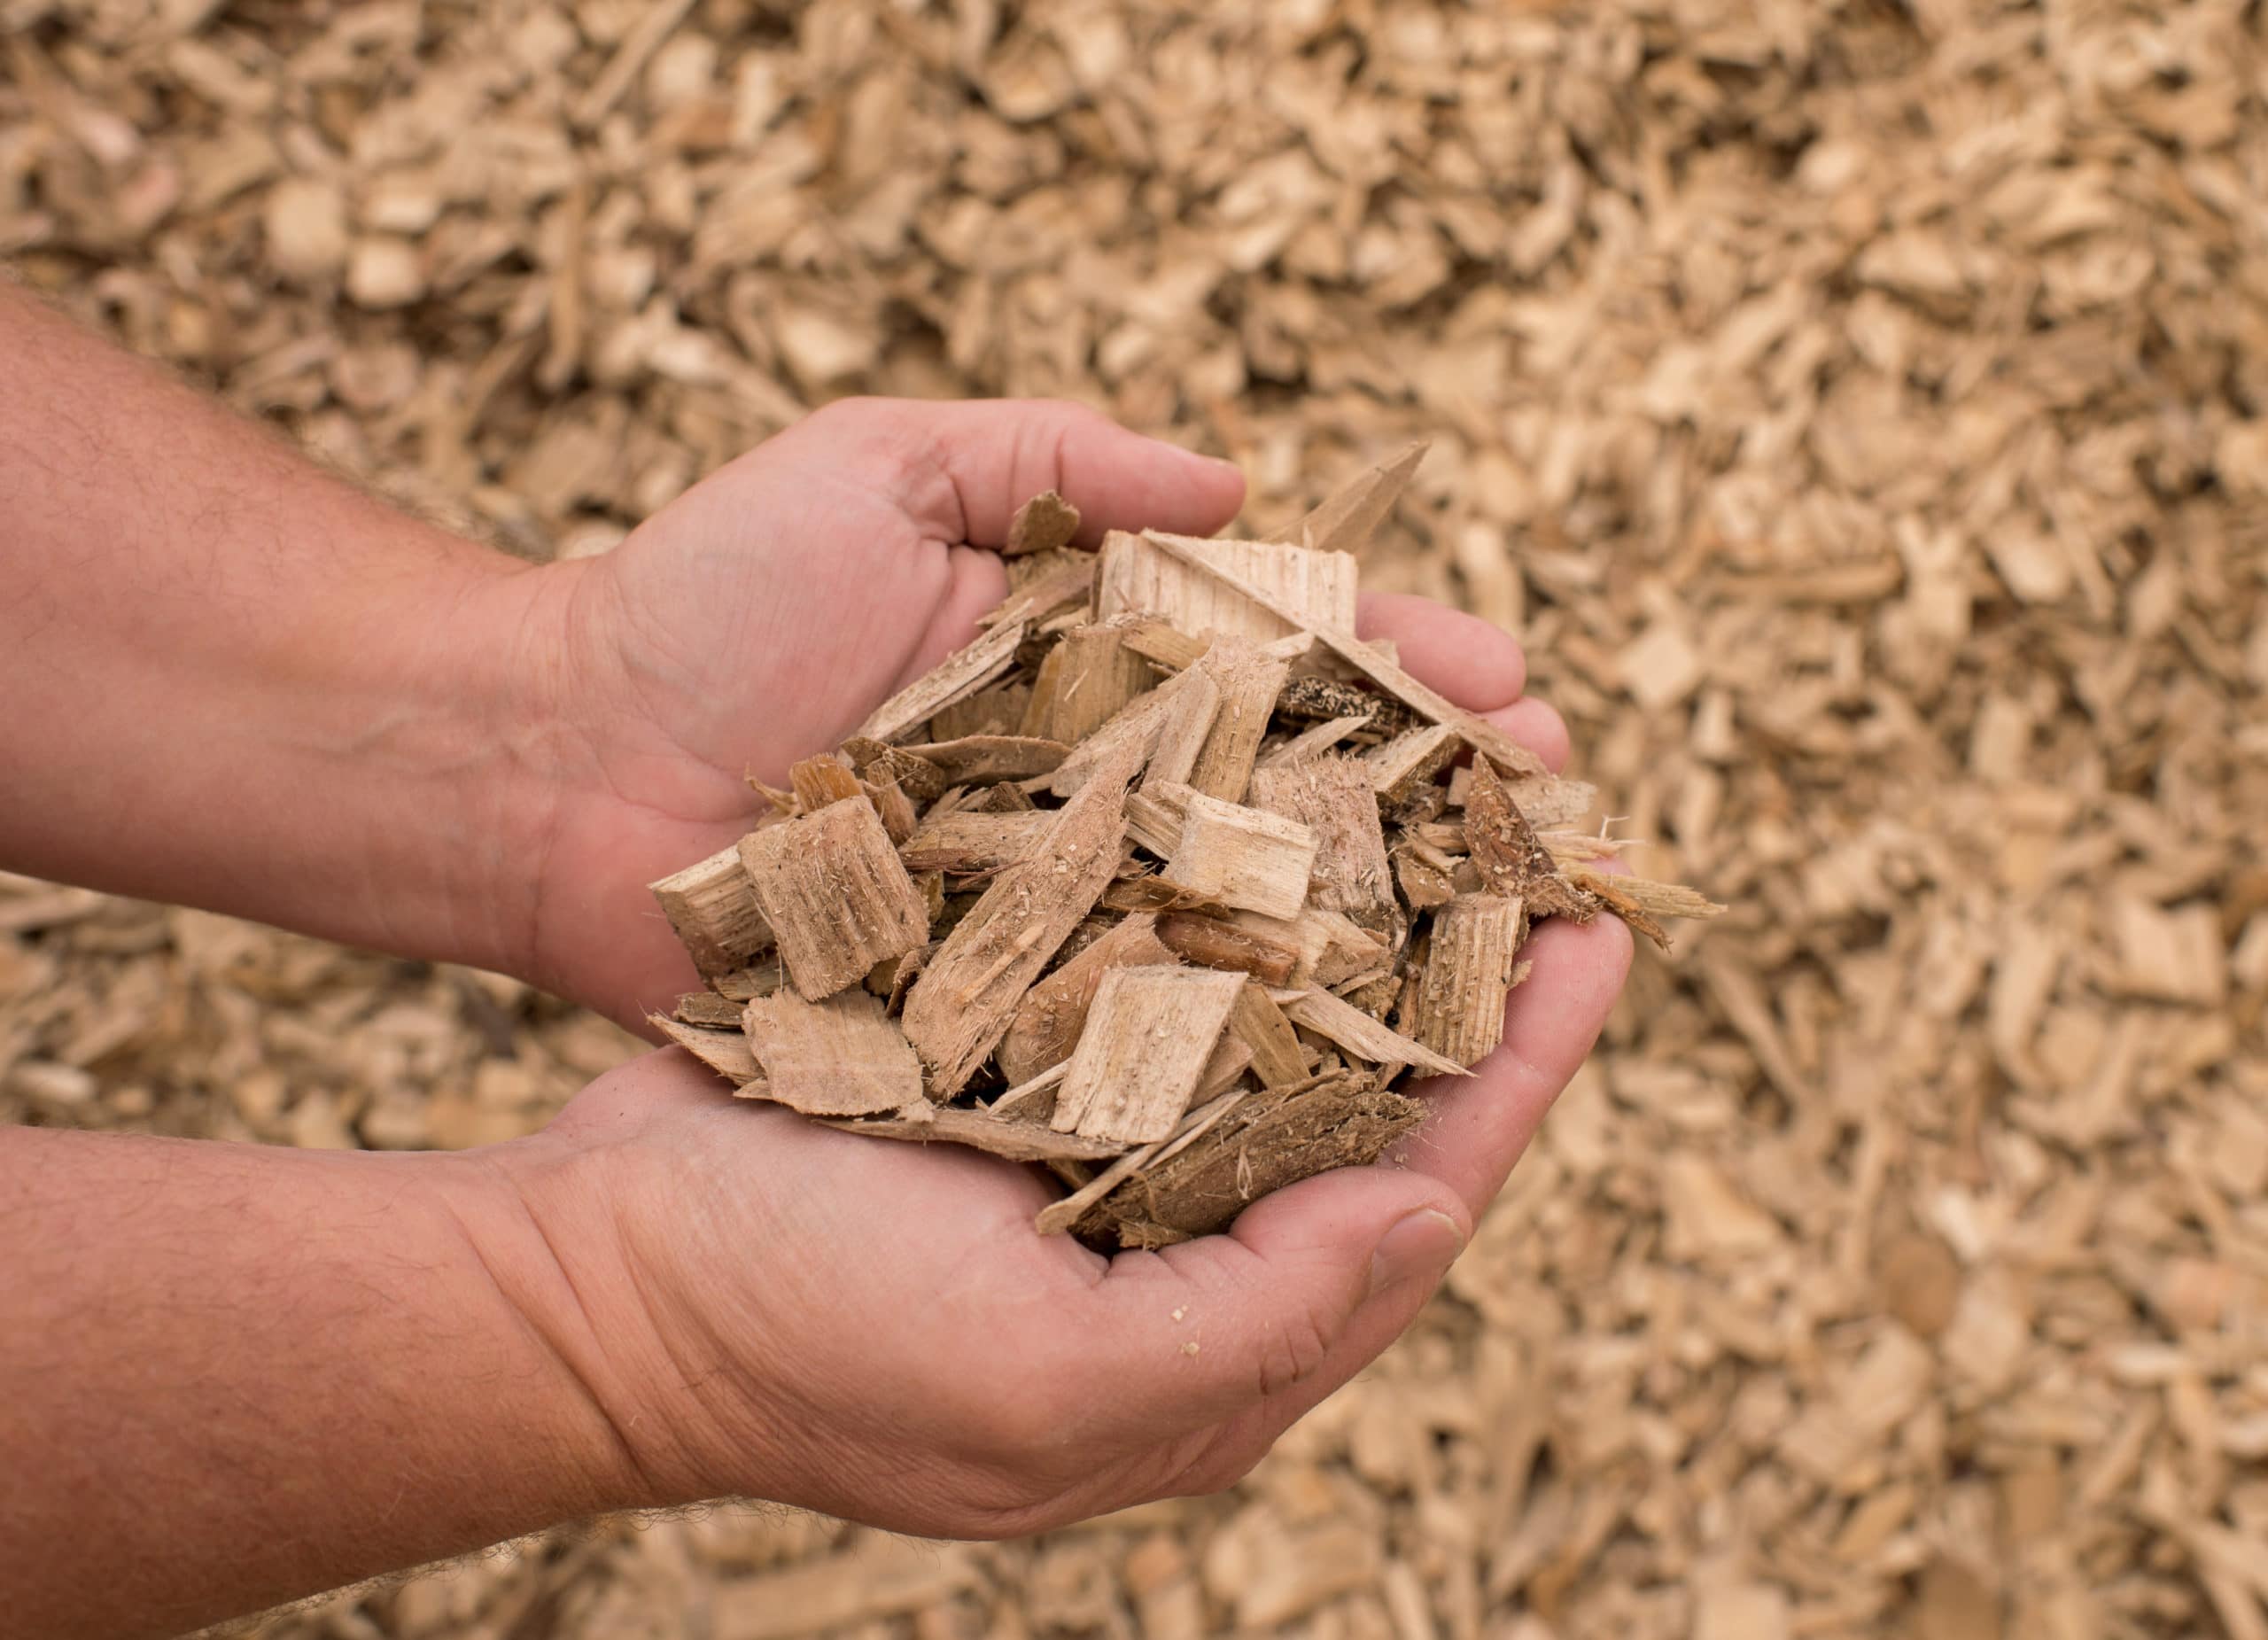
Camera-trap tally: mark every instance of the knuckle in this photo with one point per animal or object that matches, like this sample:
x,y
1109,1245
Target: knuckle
x,y
1293,1350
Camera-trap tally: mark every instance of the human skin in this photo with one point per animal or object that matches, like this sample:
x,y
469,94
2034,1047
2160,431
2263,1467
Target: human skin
x,y
230,1376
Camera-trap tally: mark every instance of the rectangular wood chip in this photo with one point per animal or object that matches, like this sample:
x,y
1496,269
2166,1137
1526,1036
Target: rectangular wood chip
x,y
712,906
1333,796
1460,1006
1150,1034
1138,576
837,895
1054,1012
843,1057
1242,858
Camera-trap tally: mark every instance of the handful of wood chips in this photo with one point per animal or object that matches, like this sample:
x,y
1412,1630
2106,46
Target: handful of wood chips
x,y
1167,881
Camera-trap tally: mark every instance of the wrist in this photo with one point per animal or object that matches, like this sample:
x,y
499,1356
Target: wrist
x,y
647,1410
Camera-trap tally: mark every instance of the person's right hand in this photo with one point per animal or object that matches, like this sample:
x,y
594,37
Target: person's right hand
x,y
873,1329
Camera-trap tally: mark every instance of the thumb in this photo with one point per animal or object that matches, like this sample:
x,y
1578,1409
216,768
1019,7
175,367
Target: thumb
x,y
1212,1329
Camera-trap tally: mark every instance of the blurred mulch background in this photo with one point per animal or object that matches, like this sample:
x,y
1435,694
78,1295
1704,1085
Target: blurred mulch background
x,y
1861,411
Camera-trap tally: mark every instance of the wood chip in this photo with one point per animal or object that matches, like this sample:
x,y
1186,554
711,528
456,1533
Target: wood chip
x,y
1474,948
1041,524
1212,943
1140,576
1052,1013
837,897
959,676
1005,1137
724,1051
967,843
1088,678
1267,1034
1512,863
1350,515
712,907
1364,1036
1242,858
842,1057
1334,798
1149,1034
966,998
1248,682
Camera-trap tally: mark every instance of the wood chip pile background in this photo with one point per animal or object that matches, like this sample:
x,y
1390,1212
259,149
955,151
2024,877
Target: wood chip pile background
x,y
1860,411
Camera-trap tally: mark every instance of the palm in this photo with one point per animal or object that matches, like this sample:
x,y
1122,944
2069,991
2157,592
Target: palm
x,y
760,617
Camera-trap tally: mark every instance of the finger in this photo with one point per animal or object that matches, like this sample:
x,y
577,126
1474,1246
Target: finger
x,y
1536,726
1476,1126
978,584
1266,1305
961,470
1475,663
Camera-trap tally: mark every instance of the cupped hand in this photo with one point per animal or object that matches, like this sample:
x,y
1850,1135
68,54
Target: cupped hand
x,y
873,1329
761,616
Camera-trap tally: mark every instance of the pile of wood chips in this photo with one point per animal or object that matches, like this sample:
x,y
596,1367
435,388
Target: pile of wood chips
x,y
1859,411
1167,869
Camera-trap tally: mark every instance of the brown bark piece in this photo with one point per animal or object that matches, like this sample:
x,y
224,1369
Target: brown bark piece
x,y
1547,802
1242,858
842,1057
957,676
1483,736
1332,797
837,897
1269,1140
1054,1012
1512,863
708,1010
1364,1035
1150,1034
1348,517
1210,943
818,781
712,906
1460,1006
965,1000
724,1051
1007,1136
967,843
1041,524
1248,682
1086,680
1310,699
1306,589
1261,1026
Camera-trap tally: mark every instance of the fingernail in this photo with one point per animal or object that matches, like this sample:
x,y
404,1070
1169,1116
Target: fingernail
x,y
1424,1244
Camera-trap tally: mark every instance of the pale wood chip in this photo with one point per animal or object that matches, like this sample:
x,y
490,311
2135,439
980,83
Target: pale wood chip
x,y
1469,965
1334,797
958,675
724,1051
1052,1013
842,1057
1138,577
837,895
1364,1035
712,906
1150,1033
1242,858
1347,518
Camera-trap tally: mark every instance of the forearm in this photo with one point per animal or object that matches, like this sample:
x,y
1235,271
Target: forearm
x,y
238,682
231,1376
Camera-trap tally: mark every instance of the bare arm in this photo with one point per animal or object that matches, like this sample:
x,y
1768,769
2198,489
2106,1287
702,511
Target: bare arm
x,y
232,1375
238,682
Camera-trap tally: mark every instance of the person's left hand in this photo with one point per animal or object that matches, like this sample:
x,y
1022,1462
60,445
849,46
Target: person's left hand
x,y
760,617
